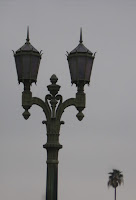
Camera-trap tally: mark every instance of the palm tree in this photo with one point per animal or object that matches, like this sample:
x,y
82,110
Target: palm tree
x,y
115,179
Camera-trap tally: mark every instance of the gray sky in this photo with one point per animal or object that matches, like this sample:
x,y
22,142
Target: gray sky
x,y
106,137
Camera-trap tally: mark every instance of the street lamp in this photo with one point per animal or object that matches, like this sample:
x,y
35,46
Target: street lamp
x,y
27,60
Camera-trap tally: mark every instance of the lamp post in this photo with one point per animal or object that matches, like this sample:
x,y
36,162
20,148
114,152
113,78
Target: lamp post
x,y
27,60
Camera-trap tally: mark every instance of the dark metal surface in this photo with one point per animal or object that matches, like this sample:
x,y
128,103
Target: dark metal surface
x,y
80,63
27,46
53,106
27,60
81,48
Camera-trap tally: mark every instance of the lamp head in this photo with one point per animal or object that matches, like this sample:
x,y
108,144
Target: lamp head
x,y
27,60
80,62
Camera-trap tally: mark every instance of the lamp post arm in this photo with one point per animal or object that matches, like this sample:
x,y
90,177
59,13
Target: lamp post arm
x,y
63,106
43,105
78,102
28,101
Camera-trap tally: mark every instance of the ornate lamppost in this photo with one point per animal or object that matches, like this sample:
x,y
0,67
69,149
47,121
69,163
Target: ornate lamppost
x,y
27,60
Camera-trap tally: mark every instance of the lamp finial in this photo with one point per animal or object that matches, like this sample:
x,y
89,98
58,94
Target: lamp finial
x,y
81,41
27,39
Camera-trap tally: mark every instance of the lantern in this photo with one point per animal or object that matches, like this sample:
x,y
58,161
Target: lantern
x,y
80,62
27,60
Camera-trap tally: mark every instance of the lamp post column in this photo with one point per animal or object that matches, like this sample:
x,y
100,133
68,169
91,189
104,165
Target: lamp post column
x,y
52,146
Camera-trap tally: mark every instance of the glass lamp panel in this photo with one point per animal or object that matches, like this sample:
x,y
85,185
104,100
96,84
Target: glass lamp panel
x,y
35,61
26,59
81,67
73,68
89,65
19,67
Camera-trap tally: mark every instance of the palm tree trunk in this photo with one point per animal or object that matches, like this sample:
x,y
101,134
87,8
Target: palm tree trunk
x,y
115,193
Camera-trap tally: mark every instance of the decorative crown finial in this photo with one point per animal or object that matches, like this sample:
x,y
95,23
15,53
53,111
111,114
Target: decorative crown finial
x,y
27,39
81,41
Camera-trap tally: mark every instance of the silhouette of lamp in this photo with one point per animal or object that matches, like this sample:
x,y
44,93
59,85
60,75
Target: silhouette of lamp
x,y
27,60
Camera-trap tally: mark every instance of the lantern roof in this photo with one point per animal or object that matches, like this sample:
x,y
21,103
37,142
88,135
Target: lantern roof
x,y
27,47
81,48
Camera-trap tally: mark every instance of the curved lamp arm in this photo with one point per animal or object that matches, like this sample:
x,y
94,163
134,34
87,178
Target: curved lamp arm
x,y
63,106
43,105
78,102
28,101
53,106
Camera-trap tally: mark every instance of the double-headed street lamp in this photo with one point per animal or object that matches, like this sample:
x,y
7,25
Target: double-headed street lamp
x,y
80,61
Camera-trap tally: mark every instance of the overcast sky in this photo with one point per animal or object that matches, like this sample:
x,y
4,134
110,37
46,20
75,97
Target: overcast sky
x,y
106,137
